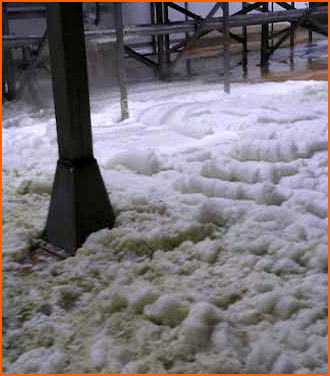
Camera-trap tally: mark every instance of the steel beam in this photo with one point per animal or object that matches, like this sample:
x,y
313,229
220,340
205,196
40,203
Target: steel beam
x,y
8,79
188,62
292,37
182,26
280,32
27,77
264,42
97,13
316,26
181,44
167,36
11,41
314,29
187,14
287,34
160,41
310,32
248,8
153,22
141,58
185,11
233,36
197,34
319,28
244,47
279,42
25,12
272,27
121,61
226,47
197,18
79,203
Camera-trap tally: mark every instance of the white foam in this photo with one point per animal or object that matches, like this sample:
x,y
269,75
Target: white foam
x,y
167,310
198,326
142,162
266,151
218,259
40,360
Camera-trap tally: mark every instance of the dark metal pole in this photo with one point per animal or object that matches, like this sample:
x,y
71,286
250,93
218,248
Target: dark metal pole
x,y
264,42
29,76
8,61
188,62
272,28
120,60
226,47
29,80
244,50
79,204
167,36
153,22
160,41
97,13
310,33
292,36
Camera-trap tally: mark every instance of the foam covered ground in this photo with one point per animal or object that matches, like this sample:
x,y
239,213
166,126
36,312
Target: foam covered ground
x,y
218,259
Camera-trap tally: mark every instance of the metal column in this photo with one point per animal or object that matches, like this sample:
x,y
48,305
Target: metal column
x,y
120,60
160,41
292,29
187,60
272,29
29,77
310,33
8,80
226,47
264,42
167,36
292,36
79,203
244,49
153,22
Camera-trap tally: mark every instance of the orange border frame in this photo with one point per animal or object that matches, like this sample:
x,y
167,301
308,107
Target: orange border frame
x,y
131,1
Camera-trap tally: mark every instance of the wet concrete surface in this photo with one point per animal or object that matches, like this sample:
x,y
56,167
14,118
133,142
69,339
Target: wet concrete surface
x,y
305,62
305,59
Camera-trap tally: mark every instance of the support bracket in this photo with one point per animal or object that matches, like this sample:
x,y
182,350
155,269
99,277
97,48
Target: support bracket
x,y
79,204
